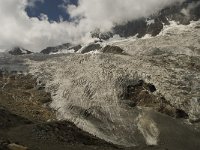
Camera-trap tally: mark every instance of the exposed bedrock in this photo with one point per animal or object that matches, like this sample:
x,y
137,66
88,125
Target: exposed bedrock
x,y
182,13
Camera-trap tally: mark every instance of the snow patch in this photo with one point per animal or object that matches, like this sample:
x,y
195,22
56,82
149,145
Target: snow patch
x,y
175,28
64,51
149,130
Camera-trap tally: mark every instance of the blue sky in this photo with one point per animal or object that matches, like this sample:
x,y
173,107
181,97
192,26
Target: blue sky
x,y
52,8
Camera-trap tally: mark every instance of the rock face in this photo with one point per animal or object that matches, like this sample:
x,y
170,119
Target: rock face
x,y
75,48
181,13
55,49
19,51
67,47
91,47
141,94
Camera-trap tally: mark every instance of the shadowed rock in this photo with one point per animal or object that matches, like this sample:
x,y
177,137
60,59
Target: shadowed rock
x,y
142,26
75,48
19,51
91,47
113,50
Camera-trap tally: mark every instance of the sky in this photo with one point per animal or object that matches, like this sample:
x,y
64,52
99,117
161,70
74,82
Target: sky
x,y
37,24
54,9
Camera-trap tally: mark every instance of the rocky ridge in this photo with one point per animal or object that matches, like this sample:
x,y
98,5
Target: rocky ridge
x,y
19,51
181,13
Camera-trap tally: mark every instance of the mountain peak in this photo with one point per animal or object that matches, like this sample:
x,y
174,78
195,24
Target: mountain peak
x,y
19,51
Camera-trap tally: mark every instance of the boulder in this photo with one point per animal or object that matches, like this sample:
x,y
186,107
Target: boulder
x,y
113,50
19,51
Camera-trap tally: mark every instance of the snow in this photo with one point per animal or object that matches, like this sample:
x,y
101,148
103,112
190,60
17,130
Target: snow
x,y
151,21
64,51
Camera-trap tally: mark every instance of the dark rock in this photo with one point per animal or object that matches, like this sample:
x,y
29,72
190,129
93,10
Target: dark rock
x,y
75,48
151,87
19,51
55,49
155,28
113,50
98,41
195,121
91,47
131,28
140,83
45,98
167,109
137,95
140,27
49,50
197,27
1,73
100,35
29,86
3,144
140,94
181,114
40,87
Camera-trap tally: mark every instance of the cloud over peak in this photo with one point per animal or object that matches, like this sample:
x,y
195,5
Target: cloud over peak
x,y
18,29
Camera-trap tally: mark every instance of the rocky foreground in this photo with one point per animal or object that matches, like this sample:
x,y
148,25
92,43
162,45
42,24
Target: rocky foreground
x,y
26,122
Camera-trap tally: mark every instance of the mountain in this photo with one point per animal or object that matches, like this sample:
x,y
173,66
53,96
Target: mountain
x,y
91,47
181,13
55,49
152,25
19,51
70,48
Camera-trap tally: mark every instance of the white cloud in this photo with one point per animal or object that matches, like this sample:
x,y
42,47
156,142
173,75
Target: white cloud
x,y
17,29
186,11
106,12
31,3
